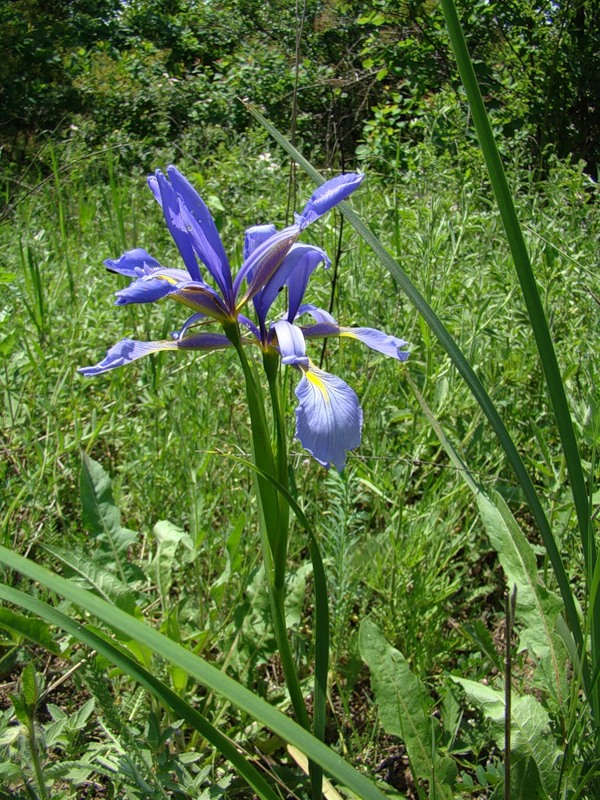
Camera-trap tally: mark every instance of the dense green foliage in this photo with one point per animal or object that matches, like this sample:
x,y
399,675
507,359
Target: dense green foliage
x,y
160,519
400,537
165,73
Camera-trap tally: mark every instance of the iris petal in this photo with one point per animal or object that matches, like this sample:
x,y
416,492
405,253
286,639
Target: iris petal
x,y
294,271
195,205
203,298
243,320
135,263
328,417
190,322
128,350
167,198
291,344
124,352
153,286
375,339
145,290
263,261
299,277
378,340
203,247
327,196
255,236
318,314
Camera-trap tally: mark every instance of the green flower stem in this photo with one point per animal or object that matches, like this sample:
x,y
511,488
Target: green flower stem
x,y
271,364
273,525
262,451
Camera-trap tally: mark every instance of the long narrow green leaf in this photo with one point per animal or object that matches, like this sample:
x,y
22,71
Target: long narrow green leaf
x,y
182,709
537,316
204,673
527,280
465,370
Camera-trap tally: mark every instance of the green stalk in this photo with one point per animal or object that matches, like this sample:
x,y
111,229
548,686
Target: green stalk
x,y
271,363
35,758
272,525
262,451
537,317
321,620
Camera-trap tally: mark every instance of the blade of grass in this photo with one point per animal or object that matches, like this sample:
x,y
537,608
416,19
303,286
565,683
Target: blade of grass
x,y
535,309
469,376
205,673
169,698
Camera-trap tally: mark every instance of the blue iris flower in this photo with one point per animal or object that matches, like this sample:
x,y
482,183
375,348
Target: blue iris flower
x,y
328,417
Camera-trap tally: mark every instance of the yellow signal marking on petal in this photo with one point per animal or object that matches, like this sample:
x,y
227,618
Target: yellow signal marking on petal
x,y
318,384
159,277
347,332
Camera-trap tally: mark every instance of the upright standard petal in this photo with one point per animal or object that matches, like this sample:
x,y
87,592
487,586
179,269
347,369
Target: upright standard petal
x,y
293,272
327,196
216,264
263,262
256,236
300,275
168,200
200,212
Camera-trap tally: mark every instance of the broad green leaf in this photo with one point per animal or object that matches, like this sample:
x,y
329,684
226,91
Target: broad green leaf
x,y
21,708
101,517
537,607
405,709
78,720
28,628
169,539
54,731
29,687
9,772
534,752
106,584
